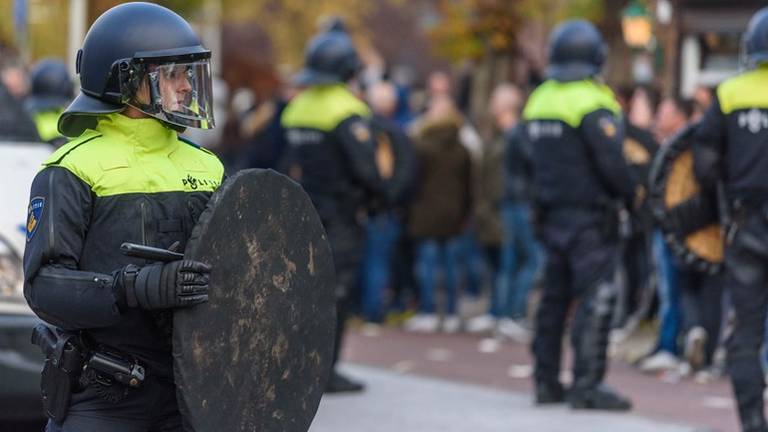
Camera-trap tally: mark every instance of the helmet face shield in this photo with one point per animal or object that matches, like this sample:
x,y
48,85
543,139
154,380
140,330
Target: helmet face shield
x,y
178,92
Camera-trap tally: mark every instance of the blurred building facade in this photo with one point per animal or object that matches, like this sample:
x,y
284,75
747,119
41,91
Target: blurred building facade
x,y
709,40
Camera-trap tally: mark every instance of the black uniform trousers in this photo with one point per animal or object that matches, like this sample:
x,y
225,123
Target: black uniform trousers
x,y
150,408
346,239
746,260
580,267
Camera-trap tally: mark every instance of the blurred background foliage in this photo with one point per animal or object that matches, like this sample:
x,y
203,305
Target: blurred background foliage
x,y
48,22
461,29
47,27
473,28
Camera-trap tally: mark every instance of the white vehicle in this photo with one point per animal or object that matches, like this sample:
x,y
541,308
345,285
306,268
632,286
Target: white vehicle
x,y
20,361
19,162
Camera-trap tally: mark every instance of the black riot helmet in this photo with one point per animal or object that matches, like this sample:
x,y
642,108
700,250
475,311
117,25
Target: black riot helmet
x,y
755,42
576,51
330,58
145,56
52,87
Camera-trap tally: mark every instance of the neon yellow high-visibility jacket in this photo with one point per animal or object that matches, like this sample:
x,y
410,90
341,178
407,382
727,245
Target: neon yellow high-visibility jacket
x,y
129,180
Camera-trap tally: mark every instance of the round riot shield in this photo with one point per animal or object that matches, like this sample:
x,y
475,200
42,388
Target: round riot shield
x,y
688,216
257,355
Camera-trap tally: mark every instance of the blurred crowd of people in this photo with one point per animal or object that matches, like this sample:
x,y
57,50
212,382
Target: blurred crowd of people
x,y
457,230
456,250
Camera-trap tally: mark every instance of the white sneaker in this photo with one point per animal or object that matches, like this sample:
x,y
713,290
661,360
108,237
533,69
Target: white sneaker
x,y
707,375
481,324
451,324
471,306
517,331
695,345
661,361
422,323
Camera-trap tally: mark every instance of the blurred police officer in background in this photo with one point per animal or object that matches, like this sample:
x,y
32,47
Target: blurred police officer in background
x,y
574,124
331,153
52,90
124,177
15,122
730,147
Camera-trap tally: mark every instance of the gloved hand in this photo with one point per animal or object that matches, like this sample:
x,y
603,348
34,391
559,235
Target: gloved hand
x,y
174,284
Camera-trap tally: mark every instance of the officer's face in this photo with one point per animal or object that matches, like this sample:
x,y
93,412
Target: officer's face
x,y
174,87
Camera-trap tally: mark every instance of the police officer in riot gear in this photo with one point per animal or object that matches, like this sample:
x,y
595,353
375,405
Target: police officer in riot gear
x,y
331,154
15,122
125,176
52,90
574,125
729,147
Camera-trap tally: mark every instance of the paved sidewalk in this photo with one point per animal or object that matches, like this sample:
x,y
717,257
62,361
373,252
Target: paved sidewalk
x,y
507,367
407,403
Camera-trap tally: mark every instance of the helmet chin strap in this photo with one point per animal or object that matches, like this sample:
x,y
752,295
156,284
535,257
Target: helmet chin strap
x,y
156,97
135,108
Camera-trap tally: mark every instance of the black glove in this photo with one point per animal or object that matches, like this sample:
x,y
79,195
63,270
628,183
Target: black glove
x,y
175,284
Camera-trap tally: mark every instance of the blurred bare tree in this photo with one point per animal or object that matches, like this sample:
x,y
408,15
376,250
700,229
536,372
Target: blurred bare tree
x,y
475,28
490,35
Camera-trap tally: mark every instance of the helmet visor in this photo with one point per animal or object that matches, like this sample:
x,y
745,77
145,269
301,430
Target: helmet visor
x,y
179,93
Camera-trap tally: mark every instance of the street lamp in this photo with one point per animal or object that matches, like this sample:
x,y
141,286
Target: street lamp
x,y
636,25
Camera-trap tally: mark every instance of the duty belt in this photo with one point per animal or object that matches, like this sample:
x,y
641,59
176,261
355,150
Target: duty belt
x,y
120,369
105,362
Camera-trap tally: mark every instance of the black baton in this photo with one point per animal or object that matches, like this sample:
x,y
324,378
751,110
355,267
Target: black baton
x,y
150,253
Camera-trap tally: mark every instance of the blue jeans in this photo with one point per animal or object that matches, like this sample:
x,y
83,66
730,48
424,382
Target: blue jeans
x,y
433,256
669,296
382,233
473,263
520,259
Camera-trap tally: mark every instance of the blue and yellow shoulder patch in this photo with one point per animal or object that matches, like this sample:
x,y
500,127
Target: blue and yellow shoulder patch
x,y
34,215
608,126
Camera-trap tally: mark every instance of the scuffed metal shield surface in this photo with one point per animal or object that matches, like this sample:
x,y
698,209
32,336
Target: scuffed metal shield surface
x,y
687,215
256,356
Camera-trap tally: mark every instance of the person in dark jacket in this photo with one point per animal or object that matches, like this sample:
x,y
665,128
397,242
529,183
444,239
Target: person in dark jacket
x,y
124,177
439,212
639,148
395,162
502,216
